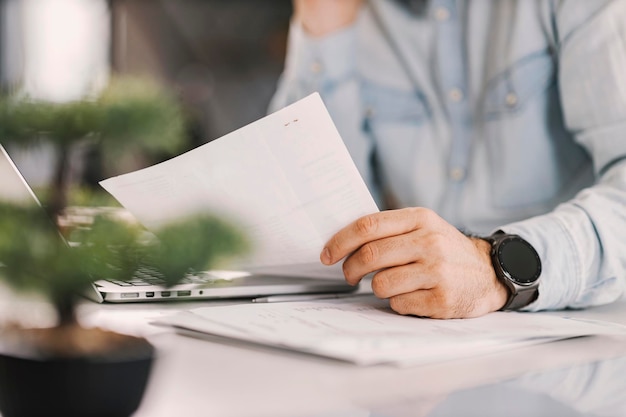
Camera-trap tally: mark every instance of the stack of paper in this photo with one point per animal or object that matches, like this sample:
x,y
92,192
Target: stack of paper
x,y
365,331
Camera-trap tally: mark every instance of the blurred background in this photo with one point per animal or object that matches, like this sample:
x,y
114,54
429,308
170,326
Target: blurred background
x,y
221,59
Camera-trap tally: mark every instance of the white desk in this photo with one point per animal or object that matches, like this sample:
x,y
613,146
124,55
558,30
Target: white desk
x,y
215,377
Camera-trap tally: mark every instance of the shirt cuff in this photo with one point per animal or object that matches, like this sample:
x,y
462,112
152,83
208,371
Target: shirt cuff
x,y
552,236
324,60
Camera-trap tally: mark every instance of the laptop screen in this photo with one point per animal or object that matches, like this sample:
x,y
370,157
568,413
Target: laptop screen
x,y
13,187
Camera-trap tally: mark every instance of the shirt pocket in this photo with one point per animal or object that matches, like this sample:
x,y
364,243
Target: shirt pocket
x,y
511,91
533,160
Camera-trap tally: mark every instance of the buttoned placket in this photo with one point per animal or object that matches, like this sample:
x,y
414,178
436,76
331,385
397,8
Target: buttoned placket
x,y
452,67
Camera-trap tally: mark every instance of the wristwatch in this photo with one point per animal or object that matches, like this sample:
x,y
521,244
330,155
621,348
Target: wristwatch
x,y
517,265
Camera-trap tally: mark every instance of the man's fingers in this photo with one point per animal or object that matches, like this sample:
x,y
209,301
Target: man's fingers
x,y
374,227
321,17
438,303
401,280
418,303
383,253
422,303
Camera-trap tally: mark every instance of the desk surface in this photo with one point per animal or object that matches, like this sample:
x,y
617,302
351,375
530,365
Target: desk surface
x,y
217,377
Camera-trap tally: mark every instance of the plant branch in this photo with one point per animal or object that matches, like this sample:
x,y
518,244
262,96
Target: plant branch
x,y
58,198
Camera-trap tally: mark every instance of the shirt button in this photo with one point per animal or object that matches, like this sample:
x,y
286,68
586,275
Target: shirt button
x,y
455,95
457,174
442,14
511,99
316,67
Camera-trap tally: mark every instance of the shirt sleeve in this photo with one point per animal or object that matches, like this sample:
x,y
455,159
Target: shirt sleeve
x,y
315,64
328,65
582,243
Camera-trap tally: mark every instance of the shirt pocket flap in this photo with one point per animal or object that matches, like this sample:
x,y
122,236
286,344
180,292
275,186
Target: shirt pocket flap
x,y
389,105
509,91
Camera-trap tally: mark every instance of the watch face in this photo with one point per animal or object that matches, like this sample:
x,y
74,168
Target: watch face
x,y
519,260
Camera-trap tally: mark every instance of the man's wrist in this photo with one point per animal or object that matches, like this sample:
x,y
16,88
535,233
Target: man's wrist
x,y
500,293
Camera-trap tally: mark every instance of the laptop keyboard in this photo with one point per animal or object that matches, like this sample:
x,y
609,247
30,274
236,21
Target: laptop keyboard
x,y
146,276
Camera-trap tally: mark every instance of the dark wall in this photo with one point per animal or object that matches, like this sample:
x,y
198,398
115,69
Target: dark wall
x,y
223,57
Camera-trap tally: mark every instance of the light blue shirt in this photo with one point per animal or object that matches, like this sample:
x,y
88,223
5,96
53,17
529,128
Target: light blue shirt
x,y
498,114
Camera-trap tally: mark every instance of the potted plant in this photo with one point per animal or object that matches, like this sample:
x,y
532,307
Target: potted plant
x,y
69,370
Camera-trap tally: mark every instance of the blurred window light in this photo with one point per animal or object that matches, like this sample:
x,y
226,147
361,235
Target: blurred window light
x,y
65,48
53,50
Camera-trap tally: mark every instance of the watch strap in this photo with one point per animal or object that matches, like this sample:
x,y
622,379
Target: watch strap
x,y
521,298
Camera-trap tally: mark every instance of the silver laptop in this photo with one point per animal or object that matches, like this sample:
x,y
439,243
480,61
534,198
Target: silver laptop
x,y
145,284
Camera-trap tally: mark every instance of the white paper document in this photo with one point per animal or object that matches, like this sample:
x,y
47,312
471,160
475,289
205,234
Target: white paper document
x,y
287,180
365,331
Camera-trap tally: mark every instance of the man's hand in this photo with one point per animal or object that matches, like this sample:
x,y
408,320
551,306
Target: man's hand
x,y
321,17
426,267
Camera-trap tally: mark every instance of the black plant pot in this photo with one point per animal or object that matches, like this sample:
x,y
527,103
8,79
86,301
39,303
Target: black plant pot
x,y
99,385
